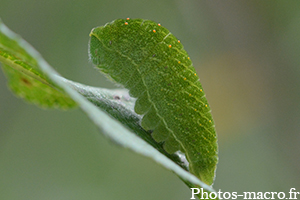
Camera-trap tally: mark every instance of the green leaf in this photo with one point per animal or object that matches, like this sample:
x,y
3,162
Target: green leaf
x,y
147,59
111,110
24,76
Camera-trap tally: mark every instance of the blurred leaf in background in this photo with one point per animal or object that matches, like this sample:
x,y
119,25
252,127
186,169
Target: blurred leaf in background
x,y
246,54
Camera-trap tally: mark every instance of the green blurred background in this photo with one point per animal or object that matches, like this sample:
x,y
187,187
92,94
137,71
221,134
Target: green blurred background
x,y
247,56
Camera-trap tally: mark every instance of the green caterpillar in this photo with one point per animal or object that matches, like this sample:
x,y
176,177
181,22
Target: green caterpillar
x,y
148,60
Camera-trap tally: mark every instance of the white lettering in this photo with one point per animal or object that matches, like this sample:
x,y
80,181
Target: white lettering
x,y
273,194
234,195
265,195
245,195
292,193
283,195
220,194
260,195
194,193
229,195
215,195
